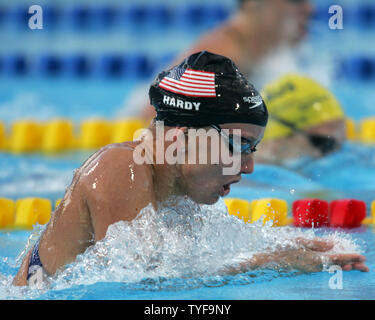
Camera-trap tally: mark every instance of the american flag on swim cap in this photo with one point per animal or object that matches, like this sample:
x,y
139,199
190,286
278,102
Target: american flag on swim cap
x,y
189,82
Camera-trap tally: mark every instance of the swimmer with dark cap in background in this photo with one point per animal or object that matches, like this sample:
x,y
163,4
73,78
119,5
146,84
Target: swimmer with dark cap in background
x,y
110,186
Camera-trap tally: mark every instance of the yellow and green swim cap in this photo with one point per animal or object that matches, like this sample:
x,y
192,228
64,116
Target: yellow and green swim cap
x,y
299,100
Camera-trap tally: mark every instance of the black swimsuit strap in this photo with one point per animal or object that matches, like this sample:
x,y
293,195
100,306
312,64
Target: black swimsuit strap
x,y
34,259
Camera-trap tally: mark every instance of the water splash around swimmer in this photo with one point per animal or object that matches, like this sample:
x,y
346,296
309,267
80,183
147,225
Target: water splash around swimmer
x,y
181,246
187,242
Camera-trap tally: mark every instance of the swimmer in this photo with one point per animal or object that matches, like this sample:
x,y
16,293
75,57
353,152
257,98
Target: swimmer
x,y
306,120
255,32
111,186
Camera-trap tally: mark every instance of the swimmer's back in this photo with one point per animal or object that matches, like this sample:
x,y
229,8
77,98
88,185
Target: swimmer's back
x,y
108,187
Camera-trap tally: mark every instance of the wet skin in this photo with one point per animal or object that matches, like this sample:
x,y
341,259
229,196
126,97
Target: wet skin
x,y
110,187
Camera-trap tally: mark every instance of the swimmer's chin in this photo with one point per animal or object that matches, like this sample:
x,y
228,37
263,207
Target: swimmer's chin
x,y
213,198
209,201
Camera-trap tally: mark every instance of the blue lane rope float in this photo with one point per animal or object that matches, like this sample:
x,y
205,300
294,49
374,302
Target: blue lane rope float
x,y
366,15
157,15
358,68
136,65
96,17
15,64
77,65
50,65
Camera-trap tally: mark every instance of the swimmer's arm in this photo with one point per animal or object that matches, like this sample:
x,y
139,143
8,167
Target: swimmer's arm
x,y
309,258
21,277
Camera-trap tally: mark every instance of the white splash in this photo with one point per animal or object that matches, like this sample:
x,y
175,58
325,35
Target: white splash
x,y
188,241
182,245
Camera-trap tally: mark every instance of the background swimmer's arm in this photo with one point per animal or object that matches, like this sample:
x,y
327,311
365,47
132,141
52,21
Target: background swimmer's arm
x,y
219,41
309,258
116,189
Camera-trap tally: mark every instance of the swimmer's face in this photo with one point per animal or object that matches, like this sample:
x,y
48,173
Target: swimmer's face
x,y
206,183
287,20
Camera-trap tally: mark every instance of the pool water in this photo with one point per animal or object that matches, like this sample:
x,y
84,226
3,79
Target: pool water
x,y
189,258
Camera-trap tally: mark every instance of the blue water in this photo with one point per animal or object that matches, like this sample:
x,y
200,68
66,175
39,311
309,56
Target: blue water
x,y
348,173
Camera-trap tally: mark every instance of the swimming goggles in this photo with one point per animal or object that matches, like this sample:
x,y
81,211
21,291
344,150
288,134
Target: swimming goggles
x,y
245,147
325,144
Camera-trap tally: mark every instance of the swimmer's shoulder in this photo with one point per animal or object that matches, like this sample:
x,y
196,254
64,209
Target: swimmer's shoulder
x,y
114,188
114,167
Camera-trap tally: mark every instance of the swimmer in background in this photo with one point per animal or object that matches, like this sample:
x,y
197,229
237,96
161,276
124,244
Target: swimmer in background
x,y
306,121
111,186
257,31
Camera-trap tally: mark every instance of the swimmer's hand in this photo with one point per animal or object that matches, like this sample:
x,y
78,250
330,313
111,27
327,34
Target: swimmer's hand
x,y
309,257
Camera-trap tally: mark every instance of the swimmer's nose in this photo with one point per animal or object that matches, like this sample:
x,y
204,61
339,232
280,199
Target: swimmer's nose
x,y
247,164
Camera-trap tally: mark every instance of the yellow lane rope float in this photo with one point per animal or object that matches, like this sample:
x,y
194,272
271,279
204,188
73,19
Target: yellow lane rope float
x,y
61,135
25,213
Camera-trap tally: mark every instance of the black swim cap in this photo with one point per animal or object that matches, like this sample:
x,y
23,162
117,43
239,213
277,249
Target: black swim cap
x,y
206,89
